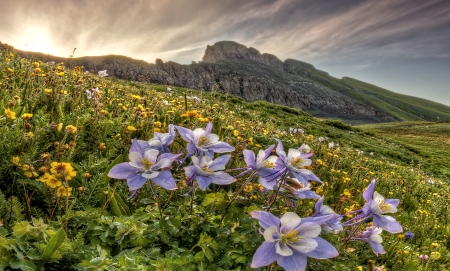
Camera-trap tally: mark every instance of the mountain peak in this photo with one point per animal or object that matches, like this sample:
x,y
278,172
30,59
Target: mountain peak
x,y
232,50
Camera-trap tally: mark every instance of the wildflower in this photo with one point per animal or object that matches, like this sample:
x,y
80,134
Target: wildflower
x,y
331,145
47,90
333,224
203,142
30,134
63,191
205,171
372,236
291,242
435,255
423,257
10,114
93,93
16,160
409,235
50,180
298,189
434,245
160,141
29,171
376,207
294,163
70,129
102,73
62,170
131,128
145,165
27,116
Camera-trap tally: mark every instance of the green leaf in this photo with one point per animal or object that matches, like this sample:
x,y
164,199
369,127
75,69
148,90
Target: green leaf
x,y
212,198
23,265
53,244
104,177
118,206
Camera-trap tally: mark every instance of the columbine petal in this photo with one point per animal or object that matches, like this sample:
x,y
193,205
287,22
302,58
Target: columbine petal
x,y
377,248
295,262
265,219
249,158
289,221
367,194
219,163
136,182
308,230
305,245
122,171
165,180
387,223
282,249
222,178
271,234
220,147
264,255
203,181
324,250
185,133
136,147
150,175
135,159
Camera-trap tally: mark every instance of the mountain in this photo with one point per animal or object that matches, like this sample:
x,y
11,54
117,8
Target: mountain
x,y
231,67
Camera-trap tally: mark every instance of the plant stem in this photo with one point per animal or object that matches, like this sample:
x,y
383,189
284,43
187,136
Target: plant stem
x,y
156,198
240,190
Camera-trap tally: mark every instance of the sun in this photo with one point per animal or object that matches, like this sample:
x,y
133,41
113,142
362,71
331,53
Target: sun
x,y
36,39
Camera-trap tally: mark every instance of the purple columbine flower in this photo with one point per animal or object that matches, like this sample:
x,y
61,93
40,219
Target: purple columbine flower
x,y
298,189
372,236
205,171
293,163
291,242
145,165
203,142
376,206
332,224
160,141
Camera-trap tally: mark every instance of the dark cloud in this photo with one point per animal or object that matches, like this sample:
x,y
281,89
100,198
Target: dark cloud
x,y
357,36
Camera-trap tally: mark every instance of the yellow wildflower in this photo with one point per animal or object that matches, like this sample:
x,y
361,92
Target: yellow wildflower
x,y
59,127
48,90
10,114
71,129
435,255
29,171
63,170
27,116
16,160
62,191
50,180
131,128
30,134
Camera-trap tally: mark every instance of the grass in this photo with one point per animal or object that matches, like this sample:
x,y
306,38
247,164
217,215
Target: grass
x,y
87,222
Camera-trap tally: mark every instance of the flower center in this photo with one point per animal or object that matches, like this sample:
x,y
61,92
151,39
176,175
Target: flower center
x,y
384,206
147,163
206,169
297,162
268,164
203,140
290,237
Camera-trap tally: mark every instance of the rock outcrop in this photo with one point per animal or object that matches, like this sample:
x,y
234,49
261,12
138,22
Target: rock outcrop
x,y
245,72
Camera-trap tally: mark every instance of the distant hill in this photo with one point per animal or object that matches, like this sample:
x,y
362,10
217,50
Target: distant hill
x,y
231,67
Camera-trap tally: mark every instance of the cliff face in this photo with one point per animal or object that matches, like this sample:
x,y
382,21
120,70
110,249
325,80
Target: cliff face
x,y
245,72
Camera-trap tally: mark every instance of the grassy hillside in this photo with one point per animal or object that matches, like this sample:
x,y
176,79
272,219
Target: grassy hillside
x,y
429,142
400,107
59,210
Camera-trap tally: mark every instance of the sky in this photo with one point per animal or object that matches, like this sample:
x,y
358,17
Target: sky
x,y
400,45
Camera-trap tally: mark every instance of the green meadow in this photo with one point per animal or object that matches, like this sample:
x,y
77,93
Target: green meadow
x,y
63,130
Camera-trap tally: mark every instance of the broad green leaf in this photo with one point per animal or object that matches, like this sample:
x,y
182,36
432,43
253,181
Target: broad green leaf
x,y
53,244
118,206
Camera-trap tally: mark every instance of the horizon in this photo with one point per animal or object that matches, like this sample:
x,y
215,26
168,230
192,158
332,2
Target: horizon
x,y
391,44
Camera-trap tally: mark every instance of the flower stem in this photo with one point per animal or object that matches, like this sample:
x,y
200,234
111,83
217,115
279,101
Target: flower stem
x,y
156,198
240,190
277,192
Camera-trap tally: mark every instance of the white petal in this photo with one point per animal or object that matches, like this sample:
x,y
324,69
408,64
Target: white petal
x,y
135,158
309,230
377,197
150,175
290,220
376,238
305,245
293,153
269,234
151,155
282,249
